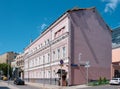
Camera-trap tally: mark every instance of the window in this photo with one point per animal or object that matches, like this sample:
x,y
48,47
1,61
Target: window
x,y
59,32
53,55
37,60
64,51
32,63
49,73
58,53
48,41
45,42
48,58
41,44
43,59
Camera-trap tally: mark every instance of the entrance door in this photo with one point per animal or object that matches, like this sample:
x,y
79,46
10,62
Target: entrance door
x,y
117,73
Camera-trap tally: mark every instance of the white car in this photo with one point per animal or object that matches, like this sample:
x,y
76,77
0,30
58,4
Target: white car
x,y
115,81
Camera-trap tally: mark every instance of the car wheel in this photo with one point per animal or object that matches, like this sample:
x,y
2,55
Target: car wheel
x,y
17,83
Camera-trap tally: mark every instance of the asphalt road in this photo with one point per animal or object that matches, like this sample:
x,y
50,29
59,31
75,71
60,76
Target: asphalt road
x,y
4,88
104,87
21,86
32,87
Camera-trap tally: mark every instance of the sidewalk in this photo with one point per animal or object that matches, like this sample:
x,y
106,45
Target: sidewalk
x,y
47,86
4,84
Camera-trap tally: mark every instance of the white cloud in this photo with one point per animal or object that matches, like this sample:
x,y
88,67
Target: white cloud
x,y
43,26
111,5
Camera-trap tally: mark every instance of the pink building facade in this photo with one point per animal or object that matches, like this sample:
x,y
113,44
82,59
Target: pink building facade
x,y
115,53
115,62
78,36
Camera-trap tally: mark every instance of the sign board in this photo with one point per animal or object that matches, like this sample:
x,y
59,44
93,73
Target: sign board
x,y
87,66
61,62
74,65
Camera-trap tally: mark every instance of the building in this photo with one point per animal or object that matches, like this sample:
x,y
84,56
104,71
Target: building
x,y
8,57
78,37
116,52
18,69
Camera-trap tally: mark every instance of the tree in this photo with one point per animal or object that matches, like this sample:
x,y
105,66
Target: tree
x,y
4,69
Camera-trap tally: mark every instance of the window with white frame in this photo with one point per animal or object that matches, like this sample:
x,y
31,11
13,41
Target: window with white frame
x,y
40,74
40,60
48,58
58,53
43,59
37,60
41,44
53,55
30,63
64,51
45,42
49,73
48,41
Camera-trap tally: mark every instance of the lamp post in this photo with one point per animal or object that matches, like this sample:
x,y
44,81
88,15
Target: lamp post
x,y
28,70
61,64
8,75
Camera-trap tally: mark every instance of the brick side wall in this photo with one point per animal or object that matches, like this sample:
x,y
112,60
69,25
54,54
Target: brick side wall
x,y
92,38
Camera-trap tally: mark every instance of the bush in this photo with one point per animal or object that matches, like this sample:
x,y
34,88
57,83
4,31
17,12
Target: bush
x,y
100,81
104,80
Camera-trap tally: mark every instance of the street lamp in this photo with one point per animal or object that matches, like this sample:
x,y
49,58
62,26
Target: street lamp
x,y
61,64
8,75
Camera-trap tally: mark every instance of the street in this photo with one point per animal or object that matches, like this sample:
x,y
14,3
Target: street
x,y
104,87
4,88
5,85
23,86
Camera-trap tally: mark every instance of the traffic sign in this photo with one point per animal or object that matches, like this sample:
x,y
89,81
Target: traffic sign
x,y
61,62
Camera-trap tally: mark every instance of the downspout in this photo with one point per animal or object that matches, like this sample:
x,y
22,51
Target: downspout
x,y
69,50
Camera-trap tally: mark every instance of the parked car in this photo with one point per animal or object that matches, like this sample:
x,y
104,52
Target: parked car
x,y
115,81
19,81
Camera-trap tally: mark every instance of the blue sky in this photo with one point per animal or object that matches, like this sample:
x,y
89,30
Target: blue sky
x,y
22,20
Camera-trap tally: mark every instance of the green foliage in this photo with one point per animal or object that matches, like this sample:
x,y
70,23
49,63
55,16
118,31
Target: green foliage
x,y
104,80
4,68
101,81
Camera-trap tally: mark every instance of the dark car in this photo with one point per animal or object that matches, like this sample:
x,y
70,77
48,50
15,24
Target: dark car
x,y
19,81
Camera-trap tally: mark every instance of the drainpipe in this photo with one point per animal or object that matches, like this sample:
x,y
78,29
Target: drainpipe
x,y
69,49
